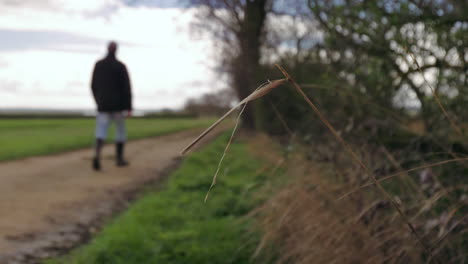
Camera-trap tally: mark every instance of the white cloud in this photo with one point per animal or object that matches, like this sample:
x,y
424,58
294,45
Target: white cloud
x,y
85,5
30,3
161,59
60,5
3,64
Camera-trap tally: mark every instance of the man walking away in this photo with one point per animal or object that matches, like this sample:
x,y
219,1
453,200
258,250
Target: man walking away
x,y
112,92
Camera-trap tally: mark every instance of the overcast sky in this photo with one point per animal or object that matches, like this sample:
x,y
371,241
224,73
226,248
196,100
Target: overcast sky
x,y
48,49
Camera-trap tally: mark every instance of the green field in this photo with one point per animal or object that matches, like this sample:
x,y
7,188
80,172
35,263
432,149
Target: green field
x,y
21,138
175,226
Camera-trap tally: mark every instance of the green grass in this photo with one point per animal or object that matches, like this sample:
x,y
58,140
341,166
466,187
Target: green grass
x,y
175,226
21,138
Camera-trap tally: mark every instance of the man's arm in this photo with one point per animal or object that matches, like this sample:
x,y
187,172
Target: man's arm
x,y
94,82
127,89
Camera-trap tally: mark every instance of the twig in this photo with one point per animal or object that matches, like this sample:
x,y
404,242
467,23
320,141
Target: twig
x,y
434,93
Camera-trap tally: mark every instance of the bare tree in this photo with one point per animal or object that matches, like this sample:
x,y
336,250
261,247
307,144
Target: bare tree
x,y
239,29
376,43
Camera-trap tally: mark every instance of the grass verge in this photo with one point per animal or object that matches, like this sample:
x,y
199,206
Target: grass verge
x,y
175,226
22,138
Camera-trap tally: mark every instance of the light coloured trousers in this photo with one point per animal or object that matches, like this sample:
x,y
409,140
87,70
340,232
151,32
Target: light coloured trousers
x,y
104,120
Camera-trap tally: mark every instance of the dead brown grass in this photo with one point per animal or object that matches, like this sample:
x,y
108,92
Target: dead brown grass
x,y
308,224
359,161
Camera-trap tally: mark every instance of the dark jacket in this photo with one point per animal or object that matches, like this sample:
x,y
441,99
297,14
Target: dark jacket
x,y
111,85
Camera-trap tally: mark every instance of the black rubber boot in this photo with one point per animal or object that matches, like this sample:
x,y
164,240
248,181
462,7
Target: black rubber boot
x,y
96,164
119,147
97,157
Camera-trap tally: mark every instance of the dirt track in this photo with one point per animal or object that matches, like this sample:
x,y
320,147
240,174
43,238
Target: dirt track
x,y
51,203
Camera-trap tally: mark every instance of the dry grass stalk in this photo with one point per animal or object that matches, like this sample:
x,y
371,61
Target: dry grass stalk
x,y
225,152
358,160
404,177
443,239
260,92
